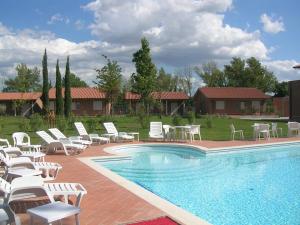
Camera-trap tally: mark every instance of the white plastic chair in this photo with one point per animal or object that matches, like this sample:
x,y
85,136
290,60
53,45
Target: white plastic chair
x,y
293,127
112,131
234,131
275,129
192,131
55,145
74,139
168,132
91,137
156,130
264,129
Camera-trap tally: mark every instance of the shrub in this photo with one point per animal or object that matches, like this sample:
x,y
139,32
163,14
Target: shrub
x,y
61,123
36,122
208,122
25,125
176,120
91,125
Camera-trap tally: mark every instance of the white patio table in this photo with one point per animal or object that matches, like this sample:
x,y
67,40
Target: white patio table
x,y
183,130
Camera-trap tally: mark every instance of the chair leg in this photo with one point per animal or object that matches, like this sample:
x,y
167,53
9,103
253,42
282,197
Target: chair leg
x,y
77,219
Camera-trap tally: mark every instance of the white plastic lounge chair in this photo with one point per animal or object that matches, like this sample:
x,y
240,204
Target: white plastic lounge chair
x,y
30,188
13,150
156,131
193,131
234,131
91,137
49,170
74,139
112,131
55,145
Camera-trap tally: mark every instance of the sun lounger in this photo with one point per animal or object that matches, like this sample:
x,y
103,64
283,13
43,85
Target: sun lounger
x,y
53,145
16,167
74,139
91,137
113,132
14,150
33,187
156,130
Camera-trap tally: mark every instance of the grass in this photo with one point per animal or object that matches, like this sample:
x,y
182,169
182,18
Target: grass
x,y
212,127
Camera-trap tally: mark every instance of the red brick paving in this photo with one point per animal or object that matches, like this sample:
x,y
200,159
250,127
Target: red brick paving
x,y
106,202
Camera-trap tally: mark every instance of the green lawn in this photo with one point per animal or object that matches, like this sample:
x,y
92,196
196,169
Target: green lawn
x,y
219,126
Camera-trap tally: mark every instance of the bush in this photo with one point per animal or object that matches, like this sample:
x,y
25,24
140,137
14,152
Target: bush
x,y
36,122
176,120
208,122
61,123
91,125
24,126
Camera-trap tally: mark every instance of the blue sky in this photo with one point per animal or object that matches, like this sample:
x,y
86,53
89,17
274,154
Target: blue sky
x,y
181,33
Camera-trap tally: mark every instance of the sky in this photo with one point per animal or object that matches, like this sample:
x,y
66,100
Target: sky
x,y
181,33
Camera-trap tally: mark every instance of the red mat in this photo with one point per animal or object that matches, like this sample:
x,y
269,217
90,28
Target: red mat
x,y
157,221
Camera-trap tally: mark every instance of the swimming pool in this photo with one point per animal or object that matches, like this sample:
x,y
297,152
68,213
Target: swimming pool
x,y
259,186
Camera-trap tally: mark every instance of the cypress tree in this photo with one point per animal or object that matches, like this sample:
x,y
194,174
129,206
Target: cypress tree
x,y
59,99
68,98
45,94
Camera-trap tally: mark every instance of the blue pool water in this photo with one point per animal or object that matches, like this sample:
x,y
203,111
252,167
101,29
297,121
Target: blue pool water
x,y
257,187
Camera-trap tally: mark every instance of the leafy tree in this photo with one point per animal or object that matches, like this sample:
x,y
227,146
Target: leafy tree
x,y
58,86
281,89
211,75
144,80
165,81
45,93
75,81
249,73
27,80
68,98
109,80
185,79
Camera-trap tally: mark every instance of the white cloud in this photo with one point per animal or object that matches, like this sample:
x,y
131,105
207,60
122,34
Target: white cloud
x,y
4,30
58,18
180,31
271,25
283,69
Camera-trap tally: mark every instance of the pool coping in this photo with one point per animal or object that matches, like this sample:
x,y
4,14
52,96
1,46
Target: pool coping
x,y
175,212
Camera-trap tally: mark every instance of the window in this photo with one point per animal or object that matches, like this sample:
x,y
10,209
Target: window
x,y
220,105
97,105
256,105
75,105
243,105
51,105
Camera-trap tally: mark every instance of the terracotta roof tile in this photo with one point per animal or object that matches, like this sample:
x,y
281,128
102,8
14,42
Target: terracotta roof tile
x,y
132,96
170,95
233,93
81,93
159,95
19,96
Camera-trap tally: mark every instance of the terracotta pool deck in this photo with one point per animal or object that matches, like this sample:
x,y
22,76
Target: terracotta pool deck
x,y
108,203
